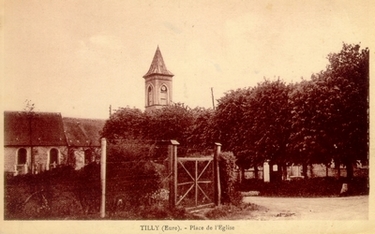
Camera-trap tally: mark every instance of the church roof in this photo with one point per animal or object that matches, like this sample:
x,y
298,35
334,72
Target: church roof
x,y
50,129
36,128
158,66
83,132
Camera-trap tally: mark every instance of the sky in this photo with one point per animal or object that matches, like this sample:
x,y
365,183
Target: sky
x,y
78,57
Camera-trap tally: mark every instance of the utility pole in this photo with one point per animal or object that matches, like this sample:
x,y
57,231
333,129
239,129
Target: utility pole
x,y
212,96
103,165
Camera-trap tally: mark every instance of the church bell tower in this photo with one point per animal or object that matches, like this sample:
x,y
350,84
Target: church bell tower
x,y
158,83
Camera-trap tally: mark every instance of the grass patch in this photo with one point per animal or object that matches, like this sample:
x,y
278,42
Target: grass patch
x,y
229,211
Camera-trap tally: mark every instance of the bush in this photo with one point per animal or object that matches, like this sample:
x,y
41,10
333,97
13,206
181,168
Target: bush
x,y
230,193
50,194
66,193
132,176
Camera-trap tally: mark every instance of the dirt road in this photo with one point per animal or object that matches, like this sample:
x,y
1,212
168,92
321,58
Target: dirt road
x,y
334,208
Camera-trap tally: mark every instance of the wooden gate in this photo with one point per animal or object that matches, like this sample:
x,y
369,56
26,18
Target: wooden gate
x,y
195,180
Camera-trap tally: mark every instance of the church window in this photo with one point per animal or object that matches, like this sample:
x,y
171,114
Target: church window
x,y
163,95
21,156
88,156
149,96
53,157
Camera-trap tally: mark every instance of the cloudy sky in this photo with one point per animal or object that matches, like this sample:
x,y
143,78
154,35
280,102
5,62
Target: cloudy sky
x,y
78,57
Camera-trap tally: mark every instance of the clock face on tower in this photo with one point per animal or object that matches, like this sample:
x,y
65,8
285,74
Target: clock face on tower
x,y
163,88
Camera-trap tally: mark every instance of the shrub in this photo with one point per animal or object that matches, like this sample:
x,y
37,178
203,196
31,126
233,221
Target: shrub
x,y
132,176
228,180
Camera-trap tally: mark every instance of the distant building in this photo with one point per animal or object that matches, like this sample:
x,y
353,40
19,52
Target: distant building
x,y
39,141
158,83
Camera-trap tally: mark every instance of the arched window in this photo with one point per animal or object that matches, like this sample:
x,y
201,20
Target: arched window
x,y
88,156
150,100
163,95
21,156
53,158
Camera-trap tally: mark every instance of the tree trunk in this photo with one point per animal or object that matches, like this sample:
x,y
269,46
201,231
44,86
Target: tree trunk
x,y
304,170
284,171
337,165
241,174
256,172
311,171
349,171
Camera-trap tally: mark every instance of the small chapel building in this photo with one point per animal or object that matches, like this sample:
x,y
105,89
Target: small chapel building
x,y
41,141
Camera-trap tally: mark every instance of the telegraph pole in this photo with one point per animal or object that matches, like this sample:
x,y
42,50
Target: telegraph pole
x,y
103,165
213,99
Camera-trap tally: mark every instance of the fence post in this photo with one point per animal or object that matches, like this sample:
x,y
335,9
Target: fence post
x,y
103,162
172,150
217,174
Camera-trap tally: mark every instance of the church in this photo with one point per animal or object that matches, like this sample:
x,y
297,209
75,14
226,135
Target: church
x,y
40,141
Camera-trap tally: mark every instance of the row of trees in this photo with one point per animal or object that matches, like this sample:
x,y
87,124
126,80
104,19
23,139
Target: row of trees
x,y
312,121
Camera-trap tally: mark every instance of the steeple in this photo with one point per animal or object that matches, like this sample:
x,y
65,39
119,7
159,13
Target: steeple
x,y
158,84
158,66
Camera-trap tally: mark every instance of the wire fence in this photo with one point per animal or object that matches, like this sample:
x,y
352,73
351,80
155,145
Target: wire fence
x,y
136,178
64,192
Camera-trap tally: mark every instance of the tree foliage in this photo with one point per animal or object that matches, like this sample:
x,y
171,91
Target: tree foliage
x,y
131,128
313,121
253,122
330,112
124,124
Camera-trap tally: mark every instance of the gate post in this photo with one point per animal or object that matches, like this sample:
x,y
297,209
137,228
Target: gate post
x,y
217,174
266,171
172,151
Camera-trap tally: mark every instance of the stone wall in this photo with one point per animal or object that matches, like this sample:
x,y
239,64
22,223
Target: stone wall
x,y
40,153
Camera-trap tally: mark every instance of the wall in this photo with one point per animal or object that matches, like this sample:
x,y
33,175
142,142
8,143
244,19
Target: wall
x,y
10,154
77,156
41,156
40,153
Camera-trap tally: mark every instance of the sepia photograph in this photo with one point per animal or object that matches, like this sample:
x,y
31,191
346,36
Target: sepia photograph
x,y
189,116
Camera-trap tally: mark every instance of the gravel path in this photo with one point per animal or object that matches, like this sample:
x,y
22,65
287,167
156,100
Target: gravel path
x,y
332,208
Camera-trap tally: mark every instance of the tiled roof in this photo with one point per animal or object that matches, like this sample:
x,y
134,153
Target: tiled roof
x,y
36,128
83,132
158,66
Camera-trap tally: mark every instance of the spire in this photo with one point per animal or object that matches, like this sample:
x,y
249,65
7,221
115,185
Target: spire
x,y
158,66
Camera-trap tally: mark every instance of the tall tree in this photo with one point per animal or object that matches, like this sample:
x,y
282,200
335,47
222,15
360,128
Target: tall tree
x,y
254,123
330,112
232,128
170,122
201,137
308,135
126,123
347,81
270,111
